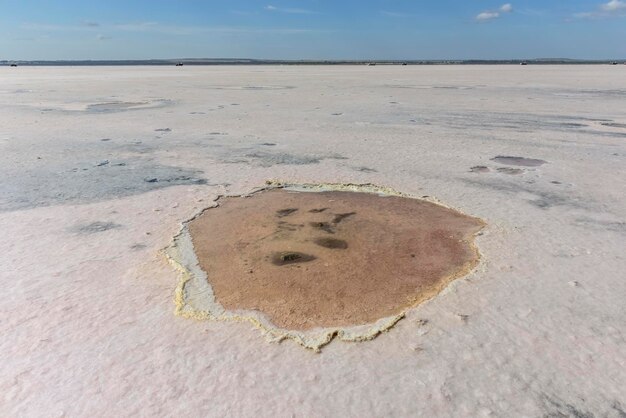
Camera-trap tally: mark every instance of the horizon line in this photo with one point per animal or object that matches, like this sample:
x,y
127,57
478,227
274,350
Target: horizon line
x,y
221,60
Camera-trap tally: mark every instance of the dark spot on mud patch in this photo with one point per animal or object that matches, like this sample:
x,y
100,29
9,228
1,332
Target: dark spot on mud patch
x,y
341,216
331,243
323,226
285,212
290,257
286,226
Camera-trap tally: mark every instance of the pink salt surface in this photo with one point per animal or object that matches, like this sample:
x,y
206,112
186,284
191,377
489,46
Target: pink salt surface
x,y
87,324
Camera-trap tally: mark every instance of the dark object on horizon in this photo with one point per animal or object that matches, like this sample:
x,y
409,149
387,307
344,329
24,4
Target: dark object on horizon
x,y
179,64
523,63
371,64
404,63
13,65
614,63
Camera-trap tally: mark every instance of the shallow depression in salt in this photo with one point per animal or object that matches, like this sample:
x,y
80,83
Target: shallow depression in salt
x,y
308,258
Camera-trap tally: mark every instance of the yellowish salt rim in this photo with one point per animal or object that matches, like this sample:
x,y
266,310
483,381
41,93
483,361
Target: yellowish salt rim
x,y
181,256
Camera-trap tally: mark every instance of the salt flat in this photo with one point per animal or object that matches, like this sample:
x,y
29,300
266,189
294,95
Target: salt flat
x,y
99,166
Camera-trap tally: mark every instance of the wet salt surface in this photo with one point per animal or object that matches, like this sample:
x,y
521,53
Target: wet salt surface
x,y
326,259
52,181
522,161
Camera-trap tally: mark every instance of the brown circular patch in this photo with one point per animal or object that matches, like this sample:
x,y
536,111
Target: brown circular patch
x,y
322,259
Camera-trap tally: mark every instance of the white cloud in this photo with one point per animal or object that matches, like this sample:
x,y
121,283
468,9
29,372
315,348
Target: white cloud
x,y
489,15
614,8
614,5
486,16
289,10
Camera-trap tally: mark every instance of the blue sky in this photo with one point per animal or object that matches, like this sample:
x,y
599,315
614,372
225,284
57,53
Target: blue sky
x,y
312,29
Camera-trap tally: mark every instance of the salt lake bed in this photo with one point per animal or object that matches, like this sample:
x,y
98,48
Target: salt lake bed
x,y
102,167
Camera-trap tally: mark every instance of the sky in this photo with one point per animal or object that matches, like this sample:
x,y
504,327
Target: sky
x,y
312,29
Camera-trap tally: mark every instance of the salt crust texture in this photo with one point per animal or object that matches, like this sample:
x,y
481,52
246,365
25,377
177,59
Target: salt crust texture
x,y
86,314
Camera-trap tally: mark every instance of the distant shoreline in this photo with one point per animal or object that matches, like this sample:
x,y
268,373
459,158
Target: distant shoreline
x,y
207,61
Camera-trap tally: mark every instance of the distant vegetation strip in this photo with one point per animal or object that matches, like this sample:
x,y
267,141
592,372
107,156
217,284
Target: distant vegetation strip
x,y
234,61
